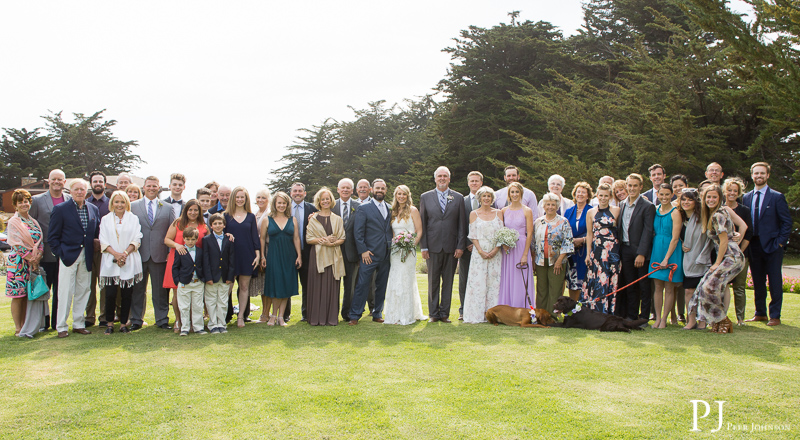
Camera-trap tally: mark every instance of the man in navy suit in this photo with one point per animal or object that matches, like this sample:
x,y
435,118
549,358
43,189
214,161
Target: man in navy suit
x,y
372,231
657,175
73,226
301,210
772,224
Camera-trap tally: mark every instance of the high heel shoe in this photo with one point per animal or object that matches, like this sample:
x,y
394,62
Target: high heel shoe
x,y
262,319
281,322
271,321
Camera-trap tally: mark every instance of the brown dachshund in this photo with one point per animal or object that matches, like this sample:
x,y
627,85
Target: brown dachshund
x,y
518,316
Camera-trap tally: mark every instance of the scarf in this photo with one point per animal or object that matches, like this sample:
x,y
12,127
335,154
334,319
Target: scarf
x,y
327,255
19,235
119,235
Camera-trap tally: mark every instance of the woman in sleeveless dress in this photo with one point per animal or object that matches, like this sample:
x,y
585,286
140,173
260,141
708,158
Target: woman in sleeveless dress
x,y
283,258
403,305
483,283
602,253
666,250
512,280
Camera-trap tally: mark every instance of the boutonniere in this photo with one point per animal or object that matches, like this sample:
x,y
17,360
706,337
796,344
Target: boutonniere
x,y
160,203
449,198
575,310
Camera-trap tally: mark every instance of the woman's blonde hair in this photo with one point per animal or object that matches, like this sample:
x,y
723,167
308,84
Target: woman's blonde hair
x,y
231,208
706,213
734,181
136,187
402,211
318,197
617,185
119,193
518,186
273,204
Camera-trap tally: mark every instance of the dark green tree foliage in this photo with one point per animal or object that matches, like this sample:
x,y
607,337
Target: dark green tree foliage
x,y
478,89
309,160
23,153
88,144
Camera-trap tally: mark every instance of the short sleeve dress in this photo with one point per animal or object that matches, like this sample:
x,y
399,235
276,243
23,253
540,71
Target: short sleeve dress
x,y
245,244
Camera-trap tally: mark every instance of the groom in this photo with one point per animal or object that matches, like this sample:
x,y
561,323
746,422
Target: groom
x,y
443,241
372,232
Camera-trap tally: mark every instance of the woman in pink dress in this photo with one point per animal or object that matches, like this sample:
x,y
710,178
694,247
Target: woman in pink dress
x,y
512,280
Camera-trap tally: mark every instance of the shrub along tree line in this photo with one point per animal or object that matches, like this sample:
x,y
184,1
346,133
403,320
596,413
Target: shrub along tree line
x,y
677,82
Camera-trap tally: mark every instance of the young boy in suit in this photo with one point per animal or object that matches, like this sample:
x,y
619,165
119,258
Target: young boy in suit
x,y
218,272
187,271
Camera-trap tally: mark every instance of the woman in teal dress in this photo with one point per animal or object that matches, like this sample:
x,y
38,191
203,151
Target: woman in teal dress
x,y
283,258
666,250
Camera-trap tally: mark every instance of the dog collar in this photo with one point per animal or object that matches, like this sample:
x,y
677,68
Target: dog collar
x,y
575,310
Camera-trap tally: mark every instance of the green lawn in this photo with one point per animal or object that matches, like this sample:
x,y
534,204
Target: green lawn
x,y
420,381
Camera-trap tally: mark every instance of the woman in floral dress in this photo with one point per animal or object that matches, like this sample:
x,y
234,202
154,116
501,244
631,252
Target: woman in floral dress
x,y
483,284
707,303
25,238
602,254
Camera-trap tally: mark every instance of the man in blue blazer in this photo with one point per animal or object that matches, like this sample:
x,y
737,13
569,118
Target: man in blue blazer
x,y
372,230
772,224
73,226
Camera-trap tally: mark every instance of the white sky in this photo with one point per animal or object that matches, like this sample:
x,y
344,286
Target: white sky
x,y
216,90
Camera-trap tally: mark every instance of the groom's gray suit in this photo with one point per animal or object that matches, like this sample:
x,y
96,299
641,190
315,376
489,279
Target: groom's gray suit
x,y
442,234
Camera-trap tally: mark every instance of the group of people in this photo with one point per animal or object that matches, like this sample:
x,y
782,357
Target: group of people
x,y
670,238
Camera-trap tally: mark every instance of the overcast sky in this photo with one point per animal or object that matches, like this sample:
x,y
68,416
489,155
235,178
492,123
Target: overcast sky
x,y
216,90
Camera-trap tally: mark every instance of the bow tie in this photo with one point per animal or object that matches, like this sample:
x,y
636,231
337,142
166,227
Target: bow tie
x,y
173,201
219,237
191,249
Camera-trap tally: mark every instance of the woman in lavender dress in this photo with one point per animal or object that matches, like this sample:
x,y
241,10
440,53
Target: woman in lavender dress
x,y
512,280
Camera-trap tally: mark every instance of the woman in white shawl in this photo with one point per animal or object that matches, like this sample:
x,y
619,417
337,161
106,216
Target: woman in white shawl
x,y
121,265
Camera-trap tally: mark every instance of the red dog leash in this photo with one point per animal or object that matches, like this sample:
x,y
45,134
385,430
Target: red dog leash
x,y
672,268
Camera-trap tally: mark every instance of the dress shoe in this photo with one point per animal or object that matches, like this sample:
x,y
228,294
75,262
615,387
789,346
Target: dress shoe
x,y
353,322
756,318
63,334
377,319
460,317
82,331
773,322
135,327
47,322
165,327
444,320
433,320
88,324
103,323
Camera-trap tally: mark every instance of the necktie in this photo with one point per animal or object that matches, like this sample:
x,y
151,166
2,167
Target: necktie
x,y
756,213
382,208
474,202
442,201
300,224
345,212
150,215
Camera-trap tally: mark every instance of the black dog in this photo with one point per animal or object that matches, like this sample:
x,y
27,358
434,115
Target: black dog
x,y
587,319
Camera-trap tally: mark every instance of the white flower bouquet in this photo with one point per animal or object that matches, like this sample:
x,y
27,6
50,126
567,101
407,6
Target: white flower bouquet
x,y
506,237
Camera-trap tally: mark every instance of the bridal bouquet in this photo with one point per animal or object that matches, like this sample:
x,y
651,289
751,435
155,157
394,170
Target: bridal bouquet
x,y
507,237
403,243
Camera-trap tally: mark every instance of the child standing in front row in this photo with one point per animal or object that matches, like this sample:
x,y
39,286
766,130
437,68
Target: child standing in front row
x,y
218,273
187,271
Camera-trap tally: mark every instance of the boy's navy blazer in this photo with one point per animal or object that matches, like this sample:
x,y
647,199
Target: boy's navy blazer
x,y
66,236
183,268
218,264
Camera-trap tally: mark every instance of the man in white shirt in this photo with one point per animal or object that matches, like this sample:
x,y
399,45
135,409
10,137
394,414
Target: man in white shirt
x,y
528,197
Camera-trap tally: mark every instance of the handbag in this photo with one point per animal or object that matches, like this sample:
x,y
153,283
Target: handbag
x,y
36,288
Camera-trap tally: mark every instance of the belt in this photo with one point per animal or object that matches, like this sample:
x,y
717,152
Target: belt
x,y
195,280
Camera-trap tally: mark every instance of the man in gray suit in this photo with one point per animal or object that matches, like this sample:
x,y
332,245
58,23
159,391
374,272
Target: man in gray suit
x,y
346,208
475,182
41,207
636,239
443,241
155,217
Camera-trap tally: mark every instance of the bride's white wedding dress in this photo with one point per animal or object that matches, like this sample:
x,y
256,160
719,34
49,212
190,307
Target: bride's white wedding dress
x,y
402,304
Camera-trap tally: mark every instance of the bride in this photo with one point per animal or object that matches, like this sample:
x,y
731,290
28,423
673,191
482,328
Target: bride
x,y
403,305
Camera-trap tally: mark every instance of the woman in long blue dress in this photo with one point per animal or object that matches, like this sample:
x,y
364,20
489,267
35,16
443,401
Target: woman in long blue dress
x,y
576,215
242,224
666,250
602,254
283,258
